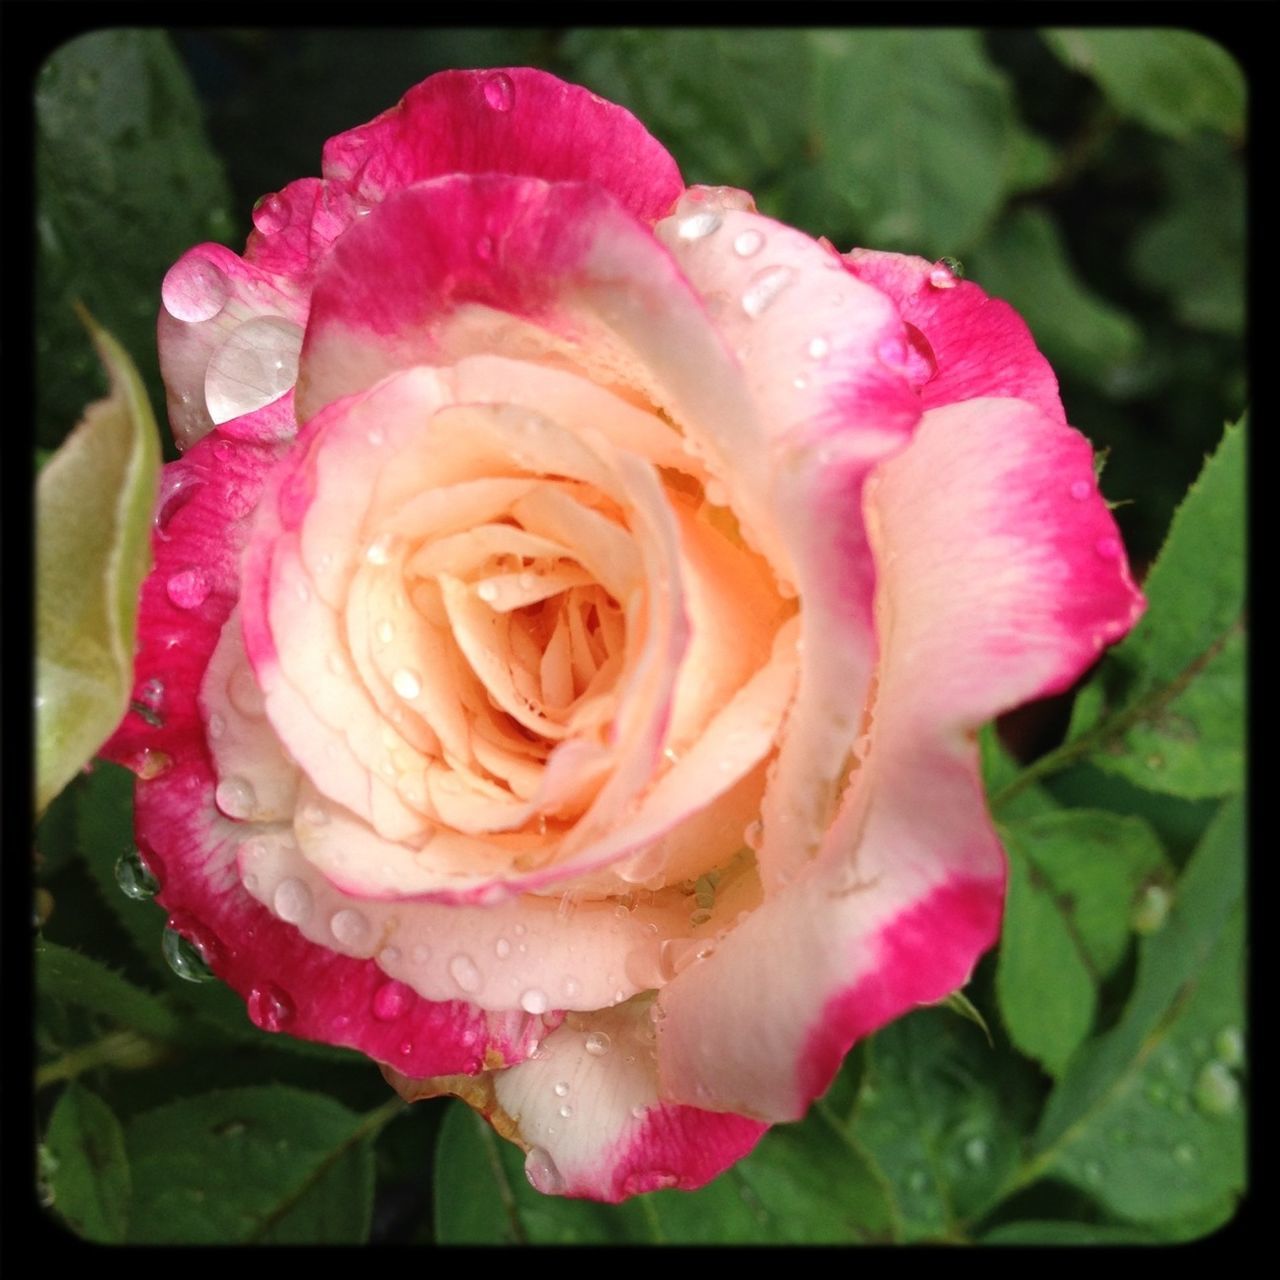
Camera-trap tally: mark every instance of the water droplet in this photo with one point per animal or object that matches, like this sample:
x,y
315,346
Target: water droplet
x,y
236,797
189,589
542,1173
1107,548
502,948
1157,1093
216,727
1081,489
748,243
292,900
917,1180
151,695
561,1090
639,1111
420,954
566,1111
244,693
1093,1171
535,1001
391,1001
598,1044
385,632
462,969
499,92
406,684
134,877
184,957
698,225
945,273
975,1151
271,214
764,287
1184,1154
1228,1044
753,836
269,1007
1216,1090
800,382
487,591
349,927
151,764
379,550
818,347
194,289
257,364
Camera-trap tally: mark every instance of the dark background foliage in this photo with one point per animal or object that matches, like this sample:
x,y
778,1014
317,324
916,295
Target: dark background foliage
x,y
1093,179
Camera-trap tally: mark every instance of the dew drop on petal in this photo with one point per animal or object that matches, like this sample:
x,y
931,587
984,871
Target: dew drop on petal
x,y
257,364
391,1001
748,243
194,289
385,632
292,900
189,588
216,726
566,1111
244,693
271,214
598,1044
462,969
502,948
542,1173
1107,548
269,1007
499,92
379,550
1081,489
698,225
561,1090
487,591
818,347
764,287
406,684
236,797
349,927
135,878
535,1001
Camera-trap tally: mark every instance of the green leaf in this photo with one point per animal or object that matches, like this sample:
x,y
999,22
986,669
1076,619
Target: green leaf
x,y
1025,262
1074,879
920,134
1174,82
125,183
804,1183
266,1164
1174,719
1194,252
76,979
940,1115
93,518
1149,1119
730,104
1035,1232
87,1168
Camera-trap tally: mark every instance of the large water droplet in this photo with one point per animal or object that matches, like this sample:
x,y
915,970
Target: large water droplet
x,y
462,969
190,588
535,1001
194,289
271,214
350,927
764,287
698,225
236,797
184,957
945,273
292,900
598,1043
406,684
499,92
134,877
391,1001
542,1173
1216,1090
269,1007
748,243
257,364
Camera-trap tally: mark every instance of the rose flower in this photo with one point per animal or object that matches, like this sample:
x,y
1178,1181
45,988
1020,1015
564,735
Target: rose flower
x,y
571,617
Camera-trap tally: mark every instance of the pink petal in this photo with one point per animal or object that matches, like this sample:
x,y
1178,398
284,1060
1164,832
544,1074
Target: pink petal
x,y
518,121
1002,579
978,346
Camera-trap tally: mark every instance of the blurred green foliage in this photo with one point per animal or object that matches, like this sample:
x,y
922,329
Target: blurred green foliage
x,y
1095,180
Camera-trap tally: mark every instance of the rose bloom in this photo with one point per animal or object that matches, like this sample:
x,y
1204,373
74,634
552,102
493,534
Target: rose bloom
x,y
571,618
